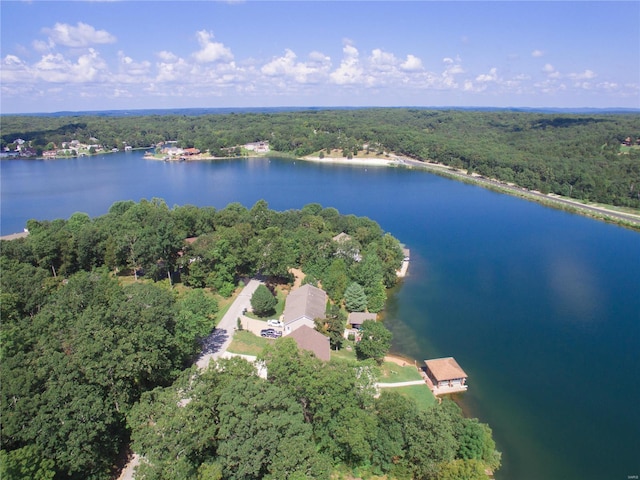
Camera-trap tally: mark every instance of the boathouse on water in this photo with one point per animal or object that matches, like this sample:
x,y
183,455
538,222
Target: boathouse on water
x,y
446,375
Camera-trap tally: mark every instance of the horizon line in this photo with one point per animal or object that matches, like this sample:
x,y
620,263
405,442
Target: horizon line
x,y
318,107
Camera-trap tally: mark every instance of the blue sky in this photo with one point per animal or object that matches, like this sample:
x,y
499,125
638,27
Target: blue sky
x,y
78,56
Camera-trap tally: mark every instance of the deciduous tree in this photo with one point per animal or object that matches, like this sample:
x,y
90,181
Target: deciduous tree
x,y
375,342
263,302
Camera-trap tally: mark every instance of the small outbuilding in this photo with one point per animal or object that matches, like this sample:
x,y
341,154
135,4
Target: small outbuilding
x,y
446,375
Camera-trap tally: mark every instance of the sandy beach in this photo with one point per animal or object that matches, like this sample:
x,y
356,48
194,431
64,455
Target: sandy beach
x,y
373,162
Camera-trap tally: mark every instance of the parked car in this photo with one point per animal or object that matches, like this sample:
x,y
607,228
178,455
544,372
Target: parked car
x,y
270,333
275,323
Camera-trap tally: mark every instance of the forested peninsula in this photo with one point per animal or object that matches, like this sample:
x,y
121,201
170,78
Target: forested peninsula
x,y
103,319
590,157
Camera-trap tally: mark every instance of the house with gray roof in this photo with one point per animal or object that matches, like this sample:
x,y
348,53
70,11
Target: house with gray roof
x,y
303,306
311,340
356,319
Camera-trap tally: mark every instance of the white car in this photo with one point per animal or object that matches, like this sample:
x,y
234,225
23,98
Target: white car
x,y
275,323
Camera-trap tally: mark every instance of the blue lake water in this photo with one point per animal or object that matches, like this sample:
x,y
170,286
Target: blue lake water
x,y
540,307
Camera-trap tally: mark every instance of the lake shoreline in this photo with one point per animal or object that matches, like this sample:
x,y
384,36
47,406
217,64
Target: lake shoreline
x,y
597,212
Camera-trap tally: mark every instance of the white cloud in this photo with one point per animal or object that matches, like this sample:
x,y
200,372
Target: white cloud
x,y
81,35
58,69
210,51
383,61
41,46
129,67
537,53
411,64
172,68
300,71
14,71
166,56
452,68
586,75
551,71
492,76
350,71
12,60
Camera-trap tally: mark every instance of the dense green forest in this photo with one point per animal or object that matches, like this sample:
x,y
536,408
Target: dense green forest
x,y
102,319
578,156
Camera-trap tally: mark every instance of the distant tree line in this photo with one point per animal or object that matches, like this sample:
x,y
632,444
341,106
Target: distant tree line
x,y
574,155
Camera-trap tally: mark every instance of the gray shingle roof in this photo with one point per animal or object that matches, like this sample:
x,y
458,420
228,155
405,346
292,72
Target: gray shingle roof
x,y
309,339
307,301
357,318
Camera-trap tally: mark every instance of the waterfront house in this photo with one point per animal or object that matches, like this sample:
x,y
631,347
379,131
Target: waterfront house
x,y
258,147
354,324
303,306
446,375
347,247
356,319
311,340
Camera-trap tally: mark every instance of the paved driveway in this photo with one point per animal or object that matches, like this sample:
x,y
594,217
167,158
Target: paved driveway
x,y
219,340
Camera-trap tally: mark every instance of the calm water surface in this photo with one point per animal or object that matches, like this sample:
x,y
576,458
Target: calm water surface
x,y
540,307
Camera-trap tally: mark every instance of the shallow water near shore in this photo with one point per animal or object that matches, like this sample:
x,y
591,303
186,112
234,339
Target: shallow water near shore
x,y
540,307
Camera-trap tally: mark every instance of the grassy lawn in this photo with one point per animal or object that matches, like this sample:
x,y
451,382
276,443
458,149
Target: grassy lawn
x,y
420,393
391,373
344,354
246,343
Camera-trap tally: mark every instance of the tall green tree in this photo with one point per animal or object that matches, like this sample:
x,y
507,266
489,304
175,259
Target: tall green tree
x,y
333,326
263,302
336,280
195,320
354,298
375,341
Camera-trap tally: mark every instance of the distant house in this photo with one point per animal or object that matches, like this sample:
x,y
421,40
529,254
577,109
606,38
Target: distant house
x,y
347,247
50,154
341,237
28,152
446,375
303,306
258,147
309,339
173,151
191,151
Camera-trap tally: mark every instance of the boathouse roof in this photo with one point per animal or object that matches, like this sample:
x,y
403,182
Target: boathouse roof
x,y
444,369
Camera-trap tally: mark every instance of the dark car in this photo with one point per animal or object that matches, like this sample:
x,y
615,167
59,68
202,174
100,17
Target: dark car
x,y
270,333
